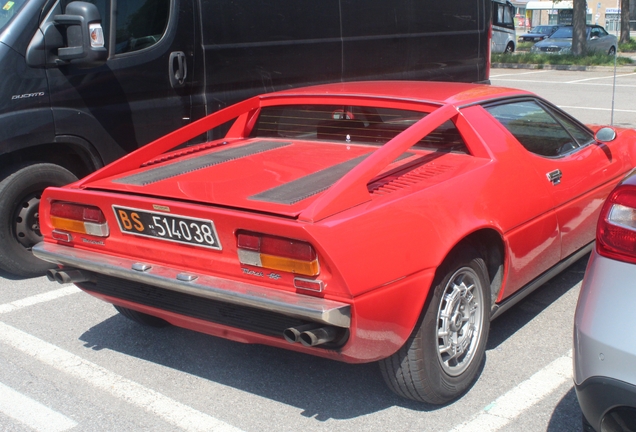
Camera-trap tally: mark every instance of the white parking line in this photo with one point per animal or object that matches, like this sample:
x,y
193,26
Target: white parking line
x,y
510,405
31,413
40,298
596,109
517,74
562,82
597,78
170,410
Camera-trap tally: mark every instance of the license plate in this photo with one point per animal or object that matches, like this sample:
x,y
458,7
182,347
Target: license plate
x,y
170,227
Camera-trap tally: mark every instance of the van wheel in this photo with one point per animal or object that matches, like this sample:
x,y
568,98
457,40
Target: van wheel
x,y
445,353
20,191
141,318
510,48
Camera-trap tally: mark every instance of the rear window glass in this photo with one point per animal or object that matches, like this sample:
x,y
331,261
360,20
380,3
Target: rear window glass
x,y
351,124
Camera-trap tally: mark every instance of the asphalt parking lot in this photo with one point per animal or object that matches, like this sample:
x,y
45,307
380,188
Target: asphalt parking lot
x,y
587,95
69,362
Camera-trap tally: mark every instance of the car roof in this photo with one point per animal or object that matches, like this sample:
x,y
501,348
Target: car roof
x,y
586,25
415,91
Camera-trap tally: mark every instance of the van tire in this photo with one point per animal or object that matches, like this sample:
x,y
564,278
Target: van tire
x,y
20,189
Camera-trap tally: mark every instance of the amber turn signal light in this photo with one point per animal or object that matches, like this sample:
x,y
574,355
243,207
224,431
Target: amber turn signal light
x,y
78,218
277,253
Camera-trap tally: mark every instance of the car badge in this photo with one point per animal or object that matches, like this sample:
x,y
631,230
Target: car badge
x,y
161,207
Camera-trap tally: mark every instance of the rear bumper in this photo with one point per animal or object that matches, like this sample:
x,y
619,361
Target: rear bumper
x,y
604,349
608,405
294,305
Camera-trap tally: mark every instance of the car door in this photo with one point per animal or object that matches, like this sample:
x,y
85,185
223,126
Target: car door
x,y
580,172
144,89
600,40
594,40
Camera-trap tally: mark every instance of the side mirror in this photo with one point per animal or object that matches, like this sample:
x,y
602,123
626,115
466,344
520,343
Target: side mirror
x,y
75,36
84,41
605,134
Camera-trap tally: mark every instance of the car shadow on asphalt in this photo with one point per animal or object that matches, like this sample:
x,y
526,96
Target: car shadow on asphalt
x,y
9,276
323,389
566,413
530,307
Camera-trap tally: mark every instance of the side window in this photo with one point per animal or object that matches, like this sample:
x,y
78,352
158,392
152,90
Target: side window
x,y
538,130
140,24
583,136
497,15
508,20
9,9
503,15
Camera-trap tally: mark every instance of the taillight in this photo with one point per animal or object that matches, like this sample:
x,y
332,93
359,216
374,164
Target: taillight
x,y
78,218
616,230
277,253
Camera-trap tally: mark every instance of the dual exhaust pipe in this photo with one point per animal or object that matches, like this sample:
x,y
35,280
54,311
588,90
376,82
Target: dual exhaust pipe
x,y
66,276
310,334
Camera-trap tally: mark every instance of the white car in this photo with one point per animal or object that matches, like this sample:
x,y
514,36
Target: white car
x,y
604,338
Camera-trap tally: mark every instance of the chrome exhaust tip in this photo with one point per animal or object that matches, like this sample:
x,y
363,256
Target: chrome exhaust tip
x,y
68,276
50,274
292,334
318,336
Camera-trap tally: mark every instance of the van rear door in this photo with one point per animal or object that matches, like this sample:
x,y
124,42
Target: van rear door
x,y
144,89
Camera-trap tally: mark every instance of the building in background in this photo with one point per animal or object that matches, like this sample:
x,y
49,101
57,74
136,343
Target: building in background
x,y
531,13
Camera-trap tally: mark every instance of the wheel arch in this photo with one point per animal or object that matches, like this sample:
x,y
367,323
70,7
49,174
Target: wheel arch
x,y
489,244
73,153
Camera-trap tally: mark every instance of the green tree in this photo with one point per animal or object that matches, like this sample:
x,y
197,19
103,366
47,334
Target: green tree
x,y
579,33
624,21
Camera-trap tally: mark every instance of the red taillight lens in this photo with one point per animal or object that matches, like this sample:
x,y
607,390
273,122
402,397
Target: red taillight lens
x,y
616,230
277,253
79,218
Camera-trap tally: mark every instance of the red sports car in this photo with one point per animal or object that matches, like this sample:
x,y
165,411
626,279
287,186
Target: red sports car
x,y
369,221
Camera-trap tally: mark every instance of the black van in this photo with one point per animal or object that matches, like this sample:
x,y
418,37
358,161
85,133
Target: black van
x,y
83,83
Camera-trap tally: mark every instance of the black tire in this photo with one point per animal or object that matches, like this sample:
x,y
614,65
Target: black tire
x,y
510,48
20,191
421,370
611,51
141,318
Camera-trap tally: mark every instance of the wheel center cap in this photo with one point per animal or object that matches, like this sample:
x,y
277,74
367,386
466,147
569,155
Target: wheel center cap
x,y
456,321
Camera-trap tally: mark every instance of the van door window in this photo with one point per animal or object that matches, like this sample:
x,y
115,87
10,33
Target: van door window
x,y
9,9
140,24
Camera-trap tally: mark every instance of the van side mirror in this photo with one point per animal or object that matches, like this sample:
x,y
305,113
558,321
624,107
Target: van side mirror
x,y
73,37
84,34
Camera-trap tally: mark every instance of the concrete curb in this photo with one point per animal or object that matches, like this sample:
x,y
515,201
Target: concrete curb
x,y
623,69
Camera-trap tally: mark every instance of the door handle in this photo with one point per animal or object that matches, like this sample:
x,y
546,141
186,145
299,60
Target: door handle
x,y
555,176
178,69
